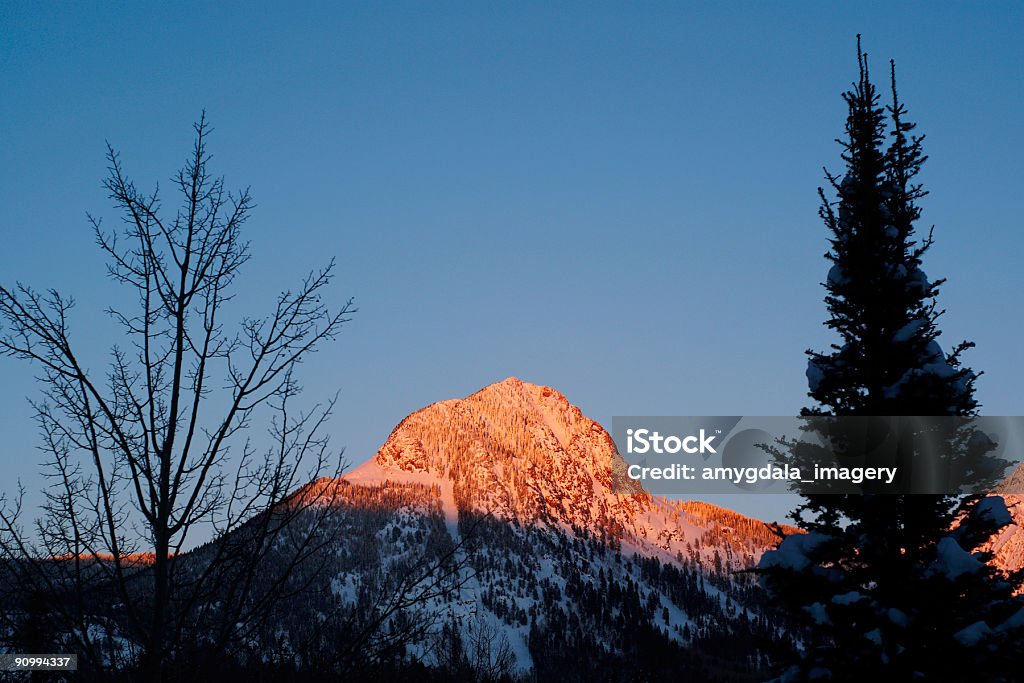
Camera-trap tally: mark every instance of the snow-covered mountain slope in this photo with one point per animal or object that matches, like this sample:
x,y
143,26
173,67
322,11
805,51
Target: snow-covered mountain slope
x,y
553,562
523,453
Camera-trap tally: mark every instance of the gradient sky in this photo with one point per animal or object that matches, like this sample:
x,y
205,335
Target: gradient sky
x,y
616,201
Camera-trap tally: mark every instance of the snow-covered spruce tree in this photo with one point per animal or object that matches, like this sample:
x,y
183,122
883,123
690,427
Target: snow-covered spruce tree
x,y
885,584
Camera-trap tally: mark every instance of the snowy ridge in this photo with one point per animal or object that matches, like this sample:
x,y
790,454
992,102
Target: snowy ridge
x,y
522,452
558,561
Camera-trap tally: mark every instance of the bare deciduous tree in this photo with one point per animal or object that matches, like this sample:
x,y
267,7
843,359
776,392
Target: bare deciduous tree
x,y
477,650
159,448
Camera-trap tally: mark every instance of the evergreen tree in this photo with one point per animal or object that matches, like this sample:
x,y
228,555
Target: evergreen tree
x,y
882,582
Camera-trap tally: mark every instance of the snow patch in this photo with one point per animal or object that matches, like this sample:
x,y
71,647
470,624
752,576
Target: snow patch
x,y
848,598
815,375
837,277
898,617
792,552
953,561
973,634
907,332
992,509
818,613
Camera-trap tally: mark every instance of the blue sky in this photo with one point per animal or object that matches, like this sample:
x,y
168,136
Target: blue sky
x,y
619,201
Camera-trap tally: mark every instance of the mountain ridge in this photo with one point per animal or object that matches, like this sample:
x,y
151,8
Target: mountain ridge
x,y
524,453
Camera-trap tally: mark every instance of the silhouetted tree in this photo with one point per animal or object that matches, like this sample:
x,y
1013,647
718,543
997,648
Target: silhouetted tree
x,y
156,448
883,583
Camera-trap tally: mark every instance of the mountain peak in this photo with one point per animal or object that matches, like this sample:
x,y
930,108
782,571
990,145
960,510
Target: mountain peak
x,y
513,448
522,452
513,387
